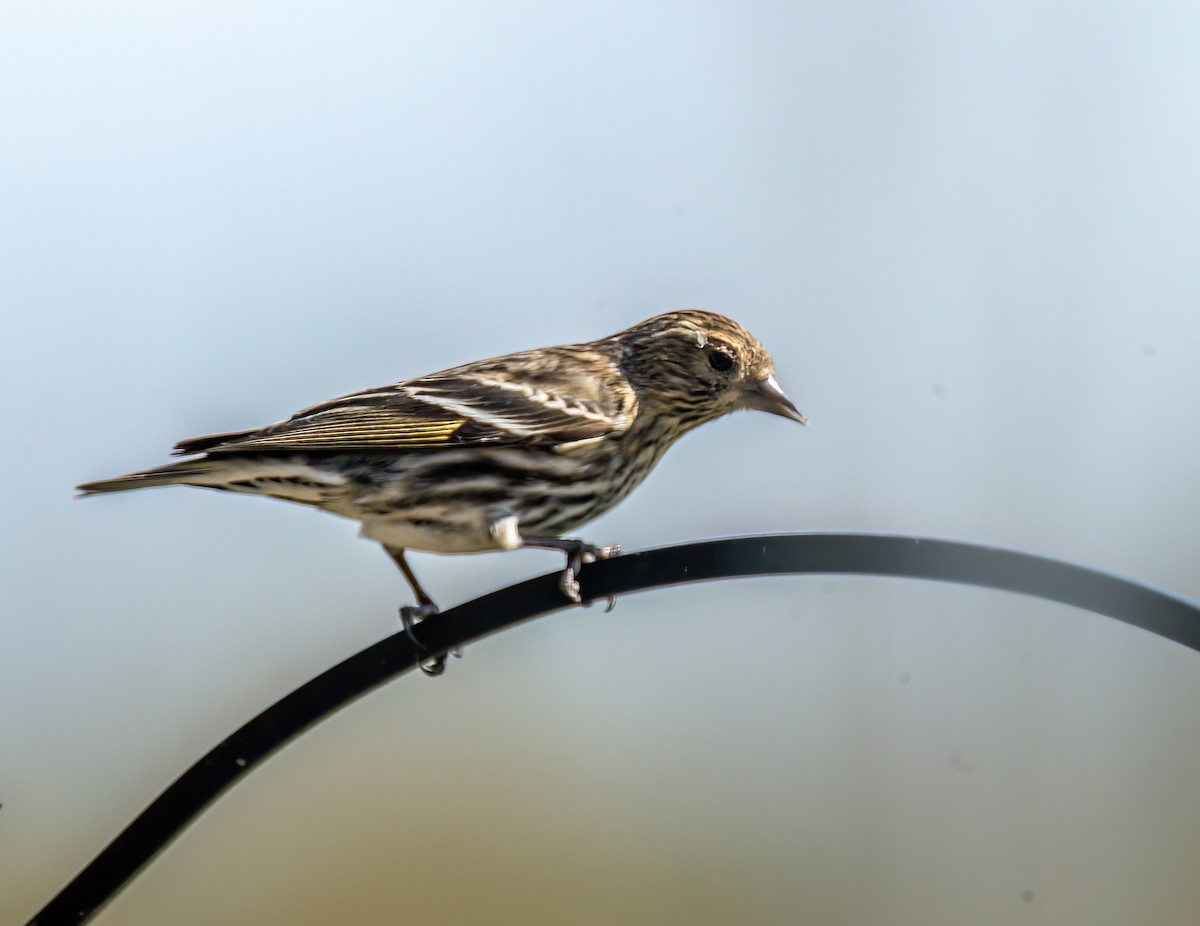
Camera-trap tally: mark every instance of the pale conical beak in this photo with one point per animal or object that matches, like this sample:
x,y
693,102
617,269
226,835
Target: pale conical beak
x,y
766,396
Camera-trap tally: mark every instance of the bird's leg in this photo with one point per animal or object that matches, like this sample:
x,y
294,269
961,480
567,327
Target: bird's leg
x,y
410,615
578,552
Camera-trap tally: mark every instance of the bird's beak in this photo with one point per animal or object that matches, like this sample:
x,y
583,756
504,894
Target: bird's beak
x,y
766,396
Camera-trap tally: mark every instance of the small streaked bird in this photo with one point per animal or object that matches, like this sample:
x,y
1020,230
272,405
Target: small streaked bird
x,y
498,454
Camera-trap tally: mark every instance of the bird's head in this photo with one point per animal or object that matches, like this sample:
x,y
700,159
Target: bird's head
x,y
699,366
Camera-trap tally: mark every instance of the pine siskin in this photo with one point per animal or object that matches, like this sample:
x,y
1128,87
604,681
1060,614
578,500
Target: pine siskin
x,y
498,454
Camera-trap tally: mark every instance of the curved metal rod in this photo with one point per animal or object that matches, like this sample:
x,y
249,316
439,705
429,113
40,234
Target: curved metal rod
x,y
1160,612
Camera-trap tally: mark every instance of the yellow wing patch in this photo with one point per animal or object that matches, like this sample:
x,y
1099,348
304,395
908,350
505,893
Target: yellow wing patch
x,y
360,428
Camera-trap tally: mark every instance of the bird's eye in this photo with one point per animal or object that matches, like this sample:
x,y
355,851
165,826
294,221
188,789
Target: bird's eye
x,y
720,360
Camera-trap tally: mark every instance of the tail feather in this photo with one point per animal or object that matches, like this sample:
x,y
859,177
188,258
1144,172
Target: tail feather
x,y
170,475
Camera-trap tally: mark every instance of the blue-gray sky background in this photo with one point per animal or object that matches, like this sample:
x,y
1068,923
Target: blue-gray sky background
x,y
969,233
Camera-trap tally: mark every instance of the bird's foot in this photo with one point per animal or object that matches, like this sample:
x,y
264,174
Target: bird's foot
x,y
578,554
410,616
568,581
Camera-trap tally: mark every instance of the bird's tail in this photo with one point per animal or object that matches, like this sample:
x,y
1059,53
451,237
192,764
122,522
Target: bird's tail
x,y
187,472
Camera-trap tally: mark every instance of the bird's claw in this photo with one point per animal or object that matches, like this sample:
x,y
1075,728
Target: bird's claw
x,y
410,616
568,582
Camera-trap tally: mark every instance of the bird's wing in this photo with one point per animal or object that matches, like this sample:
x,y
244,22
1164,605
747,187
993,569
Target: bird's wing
x,y
495,403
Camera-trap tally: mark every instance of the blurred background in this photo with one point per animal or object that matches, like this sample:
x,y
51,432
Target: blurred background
x,y
970,234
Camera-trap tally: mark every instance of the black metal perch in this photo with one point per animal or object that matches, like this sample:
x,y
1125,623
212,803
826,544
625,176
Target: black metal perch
x,y
1158,611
